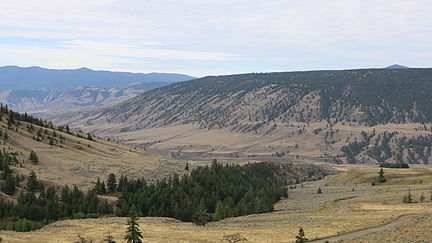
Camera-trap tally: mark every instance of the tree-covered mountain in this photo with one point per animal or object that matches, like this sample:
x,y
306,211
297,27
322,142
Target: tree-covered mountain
x,y
314,114
37,78
248,101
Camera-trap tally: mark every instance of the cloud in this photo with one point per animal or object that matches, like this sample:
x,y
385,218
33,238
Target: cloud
x,y
209,36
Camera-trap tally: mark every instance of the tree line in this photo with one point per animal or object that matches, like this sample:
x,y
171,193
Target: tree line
x,y
207,193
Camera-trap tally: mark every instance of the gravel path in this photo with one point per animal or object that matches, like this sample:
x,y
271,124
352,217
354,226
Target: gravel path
x,y
396,223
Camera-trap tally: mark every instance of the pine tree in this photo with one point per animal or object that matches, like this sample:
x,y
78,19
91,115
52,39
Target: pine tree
x,y
103,188
408,198
32,182
98,186
319,191
33,157
187,166
133,233
89,137
381,177
201,215
109,238
112,183
8,186
300,238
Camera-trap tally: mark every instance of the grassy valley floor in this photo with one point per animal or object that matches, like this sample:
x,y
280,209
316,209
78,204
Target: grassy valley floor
x,y
347,203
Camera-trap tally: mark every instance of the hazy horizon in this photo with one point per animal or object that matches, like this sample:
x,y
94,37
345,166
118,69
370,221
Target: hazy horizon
x,y
211,37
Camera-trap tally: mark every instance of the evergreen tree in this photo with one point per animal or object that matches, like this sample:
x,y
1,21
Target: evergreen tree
x,y
408,198
32,182
201,215
33,157
133,233
8,186
109,238
187,166
381,177
300,238
103,188
319,191
89,137
112,183
98,186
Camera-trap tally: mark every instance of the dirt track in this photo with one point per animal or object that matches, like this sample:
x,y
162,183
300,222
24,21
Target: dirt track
x,y
398,222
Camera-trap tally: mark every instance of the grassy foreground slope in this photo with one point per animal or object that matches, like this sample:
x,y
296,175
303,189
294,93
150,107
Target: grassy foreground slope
x,y
71,158
348,203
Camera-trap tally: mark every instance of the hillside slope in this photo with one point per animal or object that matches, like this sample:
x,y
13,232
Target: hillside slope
x,y
70,157
41,102
310,113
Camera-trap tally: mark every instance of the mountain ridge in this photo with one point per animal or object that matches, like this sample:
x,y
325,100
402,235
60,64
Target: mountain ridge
x,y
38,78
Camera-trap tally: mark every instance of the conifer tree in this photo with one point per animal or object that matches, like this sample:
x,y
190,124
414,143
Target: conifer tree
x,y
381,177
109,238
32,182
300,238
133,233
8,186
112,183
103,188
33,157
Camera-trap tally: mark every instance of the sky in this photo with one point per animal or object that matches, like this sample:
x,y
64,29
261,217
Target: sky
x,y
211,37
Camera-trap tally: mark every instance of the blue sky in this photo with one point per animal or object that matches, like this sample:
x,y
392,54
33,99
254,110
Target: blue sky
x,y
208,37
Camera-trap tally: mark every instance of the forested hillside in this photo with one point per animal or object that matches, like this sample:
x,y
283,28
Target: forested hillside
x,y
246,102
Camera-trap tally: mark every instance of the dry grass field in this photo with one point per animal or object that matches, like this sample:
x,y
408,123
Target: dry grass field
x,y
189,138
80,161
348,203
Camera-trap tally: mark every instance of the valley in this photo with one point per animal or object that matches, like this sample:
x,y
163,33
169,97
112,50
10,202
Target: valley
x,y
347,203
211,159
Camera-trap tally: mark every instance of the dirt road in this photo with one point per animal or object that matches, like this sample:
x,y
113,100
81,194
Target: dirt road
x,y
396,223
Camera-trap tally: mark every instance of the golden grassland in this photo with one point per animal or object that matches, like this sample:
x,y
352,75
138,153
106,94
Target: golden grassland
x,y
419,231
285,137
348,203
80,161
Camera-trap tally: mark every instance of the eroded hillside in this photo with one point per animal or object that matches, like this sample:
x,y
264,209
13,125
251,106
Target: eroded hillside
x,y
311,114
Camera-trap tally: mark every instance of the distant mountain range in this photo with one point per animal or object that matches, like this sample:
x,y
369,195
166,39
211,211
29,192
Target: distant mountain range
x,y
37,78
35,89
81,97
247,102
